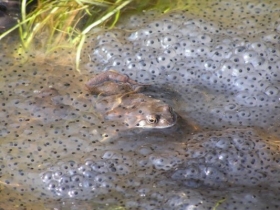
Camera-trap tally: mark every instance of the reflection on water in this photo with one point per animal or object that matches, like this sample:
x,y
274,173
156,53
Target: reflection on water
x,y
220,75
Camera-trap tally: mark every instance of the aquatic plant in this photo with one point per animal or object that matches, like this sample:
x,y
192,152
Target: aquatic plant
x,y
65,23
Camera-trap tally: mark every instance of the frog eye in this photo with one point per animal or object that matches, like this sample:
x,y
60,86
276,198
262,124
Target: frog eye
x,y
152,119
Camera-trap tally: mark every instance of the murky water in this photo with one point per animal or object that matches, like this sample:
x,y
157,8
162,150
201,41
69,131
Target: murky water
x,y
217,65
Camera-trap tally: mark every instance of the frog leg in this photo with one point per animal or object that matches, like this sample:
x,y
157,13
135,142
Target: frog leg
x,y
110,102
117,102
110,75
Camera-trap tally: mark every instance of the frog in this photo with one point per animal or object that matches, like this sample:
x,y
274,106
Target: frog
x,y
120,99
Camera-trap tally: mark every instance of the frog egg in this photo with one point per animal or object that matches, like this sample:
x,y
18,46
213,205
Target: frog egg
x,y
105,53
260,63
271,90
144,76
99,179
271,38
190,51
153,42
221,52
89,174
244,83
164,26
139,35
75,193
76,180
154,73
170,52
163,163
208,79
62,190
57,174
135,19
99,167
191,172
182,69
131,66
123,169
181,200
169,26
249,56
146,64
69,167
88,183
236,59
173,77
52,185
246,99
129,59
219,142
47,176
164,61
156,25
203,39
239,49
271,50
227,69
271,58
131,74
244,114
117,61
106,40
81,104
109,155
64,180
214,176
242,143
168,40
189,28
141,54
202,51
126,49
258,47
239,70
185,43
211,65
273,73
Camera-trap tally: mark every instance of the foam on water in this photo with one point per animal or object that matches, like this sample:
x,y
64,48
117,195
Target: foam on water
x,y
217,67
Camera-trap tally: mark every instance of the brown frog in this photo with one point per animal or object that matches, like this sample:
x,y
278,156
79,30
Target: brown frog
x,y
119,100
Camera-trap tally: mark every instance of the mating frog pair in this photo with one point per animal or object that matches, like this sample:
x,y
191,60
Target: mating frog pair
x,y
119,99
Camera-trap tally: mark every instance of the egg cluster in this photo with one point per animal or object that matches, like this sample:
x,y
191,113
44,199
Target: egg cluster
x,y
230,158
237,70
93,178
216,65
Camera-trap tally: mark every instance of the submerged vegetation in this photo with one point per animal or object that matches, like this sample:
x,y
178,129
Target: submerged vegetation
x,y
65,23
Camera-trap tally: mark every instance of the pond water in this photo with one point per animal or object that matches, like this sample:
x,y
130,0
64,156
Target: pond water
x,y
216,64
